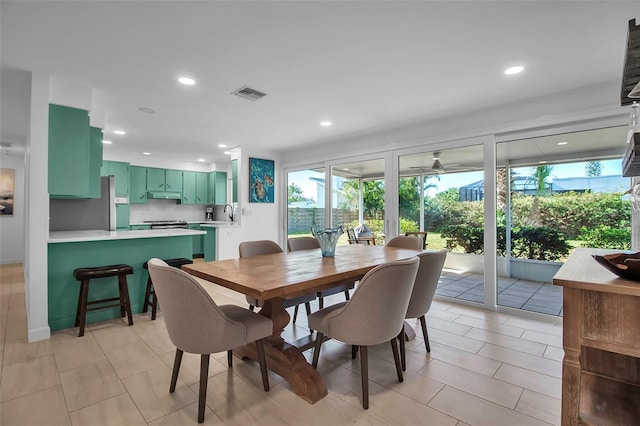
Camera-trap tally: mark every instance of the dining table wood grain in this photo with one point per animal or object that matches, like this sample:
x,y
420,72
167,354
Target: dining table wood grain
x,y
273,278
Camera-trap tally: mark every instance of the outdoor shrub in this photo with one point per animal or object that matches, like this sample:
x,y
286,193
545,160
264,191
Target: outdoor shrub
x,y
604,236
541,243
538,242
470,238
408,226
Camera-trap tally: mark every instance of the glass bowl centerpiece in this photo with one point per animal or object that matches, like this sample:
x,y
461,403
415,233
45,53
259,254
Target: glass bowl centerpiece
x,y
327,238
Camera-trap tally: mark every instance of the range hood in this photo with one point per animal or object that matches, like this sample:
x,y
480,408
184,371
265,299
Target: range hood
x,y
164,195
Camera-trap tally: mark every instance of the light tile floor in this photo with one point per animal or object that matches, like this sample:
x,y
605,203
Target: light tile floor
x,y
532,296
484,368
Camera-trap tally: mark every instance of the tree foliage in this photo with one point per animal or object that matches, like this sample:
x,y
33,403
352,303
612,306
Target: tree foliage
x,y
295,193
593,168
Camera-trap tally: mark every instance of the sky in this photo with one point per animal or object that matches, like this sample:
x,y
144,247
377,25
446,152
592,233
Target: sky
x,y
456,180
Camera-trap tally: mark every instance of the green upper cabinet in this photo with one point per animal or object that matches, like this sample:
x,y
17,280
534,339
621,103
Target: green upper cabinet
x,y
95,161
173,180
120,171
69,152
155,179
217,188
164,180
188,187
137,185
234,181
202,188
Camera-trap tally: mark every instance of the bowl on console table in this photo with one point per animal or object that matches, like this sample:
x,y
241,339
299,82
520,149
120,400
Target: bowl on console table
x,y
624,265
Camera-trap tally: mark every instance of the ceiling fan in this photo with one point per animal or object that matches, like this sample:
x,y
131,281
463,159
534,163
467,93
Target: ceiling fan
x,y
437,167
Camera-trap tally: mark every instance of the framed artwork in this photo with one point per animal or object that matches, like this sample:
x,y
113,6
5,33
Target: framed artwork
x,y
7,189
261,180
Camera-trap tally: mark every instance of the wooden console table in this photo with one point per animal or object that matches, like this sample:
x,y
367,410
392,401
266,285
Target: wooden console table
x,y
601,339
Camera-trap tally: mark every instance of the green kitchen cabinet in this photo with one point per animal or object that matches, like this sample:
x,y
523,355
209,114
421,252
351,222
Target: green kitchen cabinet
x,y
198,240
137,185
140,227
155,179
173,180
209,243
202,188
69,152
188,187
164,180
122,217
120,171
95,161
234,181
217,188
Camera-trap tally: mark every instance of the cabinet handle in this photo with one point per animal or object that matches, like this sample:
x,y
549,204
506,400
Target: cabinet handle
x,y
168,186
141,197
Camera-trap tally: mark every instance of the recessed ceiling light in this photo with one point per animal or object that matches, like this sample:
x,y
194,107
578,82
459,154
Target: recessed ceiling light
x,y
146,153
222,145
202,160
119,132
346,168
106,142
542,162
562,143
187,81
325,123
514,70
147,110
228,152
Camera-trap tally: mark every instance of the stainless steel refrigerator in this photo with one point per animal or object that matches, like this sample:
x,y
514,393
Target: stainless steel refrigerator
x,y
85,214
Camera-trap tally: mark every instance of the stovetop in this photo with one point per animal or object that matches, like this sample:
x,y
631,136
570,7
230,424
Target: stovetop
x,y
165,222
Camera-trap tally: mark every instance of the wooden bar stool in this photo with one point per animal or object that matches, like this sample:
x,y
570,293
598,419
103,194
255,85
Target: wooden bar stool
x,y
84,275
150,298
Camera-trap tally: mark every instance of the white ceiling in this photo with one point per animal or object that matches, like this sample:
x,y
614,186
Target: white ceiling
x,y
362,65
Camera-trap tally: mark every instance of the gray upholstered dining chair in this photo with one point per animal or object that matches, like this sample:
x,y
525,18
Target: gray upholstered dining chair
x,y
196,324
309,243
374,315
407,242
431,263
260,247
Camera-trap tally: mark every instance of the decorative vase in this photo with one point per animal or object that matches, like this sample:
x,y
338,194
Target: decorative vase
x,y
327,238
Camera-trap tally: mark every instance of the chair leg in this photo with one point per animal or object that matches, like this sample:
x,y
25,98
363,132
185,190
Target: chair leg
x,y
230,358
320,301
122,279
202,395
346,295
316,350
84,305
251,308
147,293
263,364
354,351
77,323
403,353
396,358
307,307
154,307
364,372
176,369
423,323
295,314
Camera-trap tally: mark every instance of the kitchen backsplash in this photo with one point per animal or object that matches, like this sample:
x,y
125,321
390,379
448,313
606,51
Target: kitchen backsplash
x,y
167,210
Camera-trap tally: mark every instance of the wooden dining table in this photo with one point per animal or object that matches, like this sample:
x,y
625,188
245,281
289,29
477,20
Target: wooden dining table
x,y
275,277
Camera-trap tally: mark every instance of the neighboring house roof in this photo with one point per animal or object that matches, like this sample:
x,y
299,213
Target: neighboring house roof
x,y
578,184
592,183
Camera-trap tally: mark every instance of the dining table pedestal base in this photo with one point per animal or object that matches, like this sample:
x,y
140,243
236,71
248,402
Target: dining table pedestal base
x,y
285,359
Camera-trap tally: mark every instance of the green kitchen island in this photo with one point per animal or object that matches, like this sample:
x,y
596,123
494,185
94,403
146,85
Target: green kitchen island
x,y
68,250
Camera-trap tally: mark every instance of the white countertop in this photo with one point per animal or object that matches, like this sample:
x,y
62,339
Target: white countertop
x,y
98,235
201,222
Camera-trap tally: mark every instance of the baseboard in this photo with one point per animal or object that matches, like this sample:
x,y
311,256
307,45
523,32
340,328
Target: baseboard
x,y
10,261
42,333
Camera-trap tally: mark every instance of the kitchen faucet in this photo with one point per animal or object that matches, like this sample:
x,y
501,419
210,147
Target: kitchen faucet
x,y
230,211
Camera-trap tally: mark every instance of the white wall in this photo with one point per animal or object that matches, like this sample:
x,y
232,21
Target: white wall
x,y
258,221
12,227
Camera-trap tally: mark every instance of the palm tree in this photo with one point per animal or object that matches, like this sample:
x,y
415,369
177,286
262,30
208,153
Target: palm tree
x,y
540,174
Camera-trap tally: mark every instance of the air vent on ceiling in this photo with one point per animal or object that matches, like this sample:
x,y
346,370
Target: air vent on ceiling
x,y
249,93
